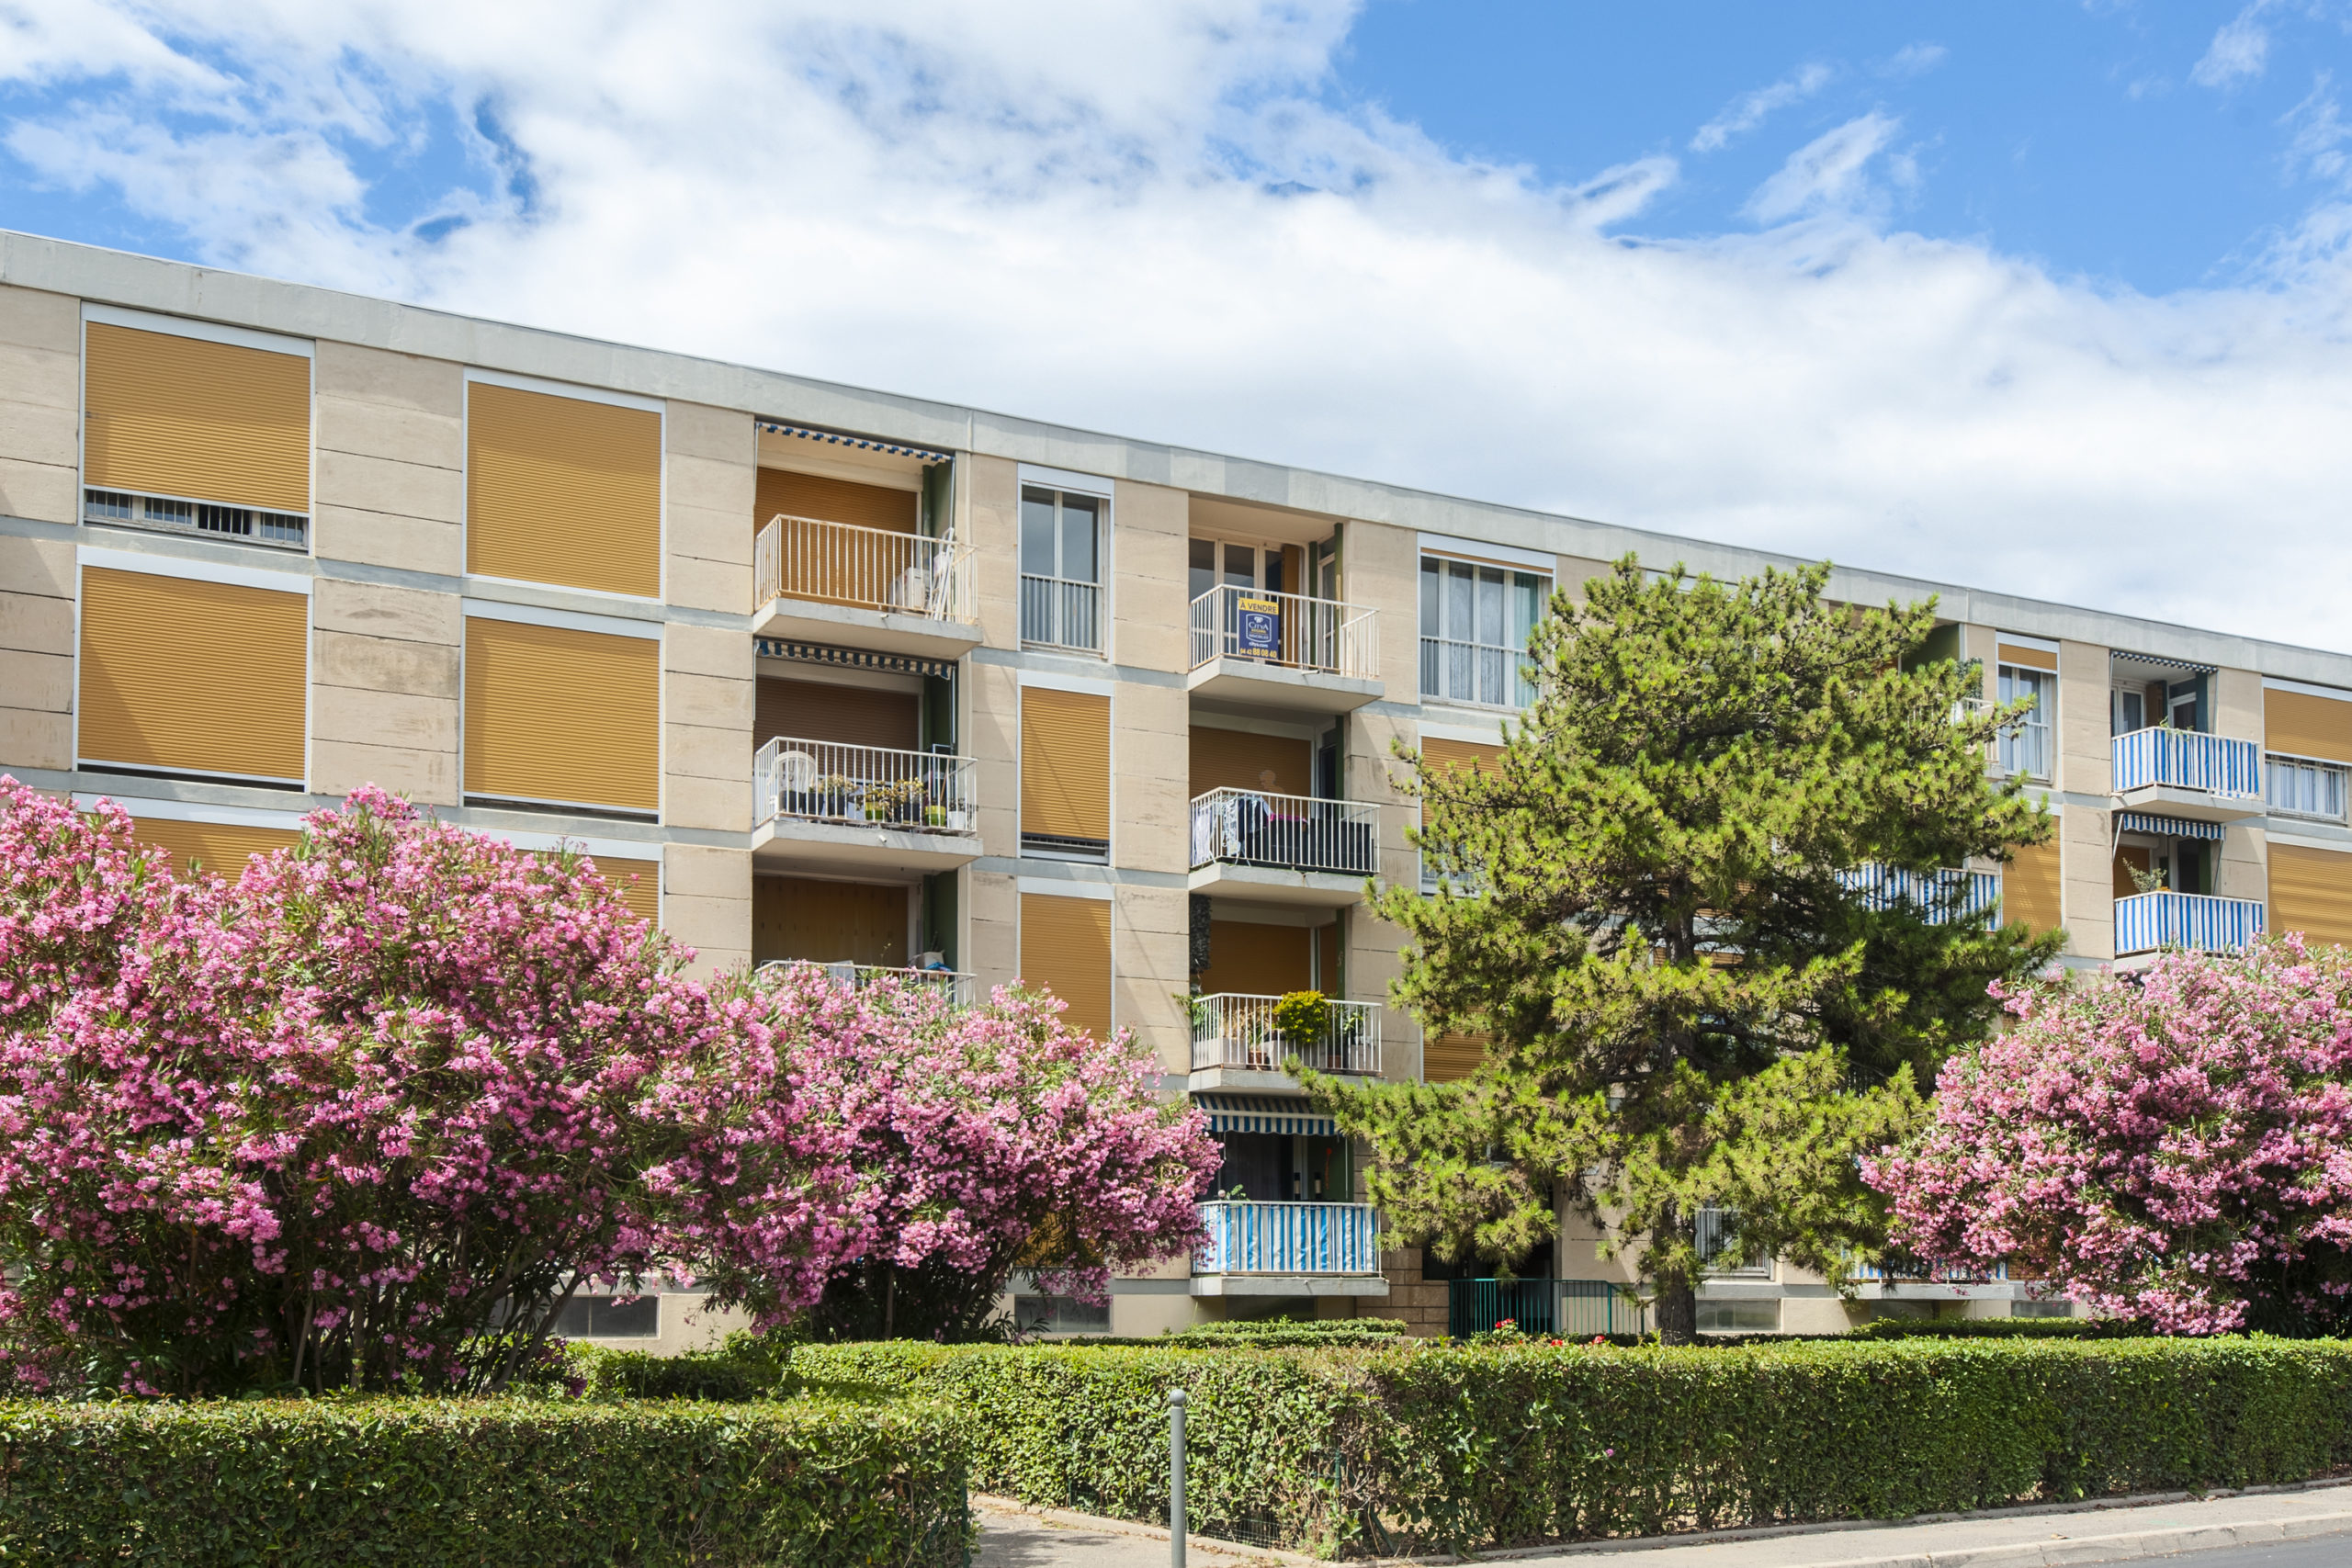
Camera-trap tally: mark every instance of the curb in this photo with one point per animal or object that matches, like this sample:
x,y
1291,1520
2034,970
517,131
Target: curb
x,y
2112,1546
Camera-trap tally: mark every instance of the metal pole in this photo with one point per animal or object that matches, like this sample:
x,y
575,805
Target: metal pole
x,y
1176,1477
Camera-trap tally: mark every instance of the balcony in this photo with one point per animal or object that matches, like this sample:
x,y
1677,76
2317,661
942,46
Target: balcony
x,y
953,986
1939,896
1284,650
1233,1033
1284,849
2147,921
820,802
2180,772
1061,614
1548,1309
883,590
1909,1279
1289,1249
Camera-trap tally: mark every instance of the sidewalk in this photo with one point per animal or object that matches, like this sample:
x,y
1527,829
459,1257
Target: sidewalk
x,y
2112,1531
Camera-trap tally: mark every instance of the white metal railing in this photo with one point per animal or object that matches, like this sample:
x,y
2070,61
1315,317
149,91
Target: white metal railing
x,y
1484,673
825,781
1289,1239
871,569
1910,1270
1235,1031
1297,633
2185,759
955,985
1293,833
2145,921
1060,612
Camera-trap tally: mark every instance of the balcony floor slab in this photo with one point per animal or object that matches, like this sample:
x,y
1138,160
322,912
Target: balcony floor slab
x,y
1272,686
841,846
884,631
1289,1285
2201,805
1271,885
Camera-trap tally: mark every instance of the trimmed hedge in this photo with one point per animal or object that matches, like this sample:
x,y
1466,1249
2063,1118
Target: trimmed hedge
x,y
744,1367
295,1484
2000,1328
1348,1452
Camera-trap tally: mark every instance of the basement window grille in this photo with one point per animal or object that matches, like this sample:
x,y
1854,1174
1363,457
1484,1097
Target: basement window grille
x,y
172,515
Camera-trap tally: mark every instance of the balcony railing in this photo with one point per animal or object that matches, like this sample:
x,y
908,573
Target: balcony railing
x,y
1327,635
1292,832
824,781
2185,759
1548,1309
1939,895
1289,1239
2145,921
1233,1031
1899,1270
868,569
1059,612
953,985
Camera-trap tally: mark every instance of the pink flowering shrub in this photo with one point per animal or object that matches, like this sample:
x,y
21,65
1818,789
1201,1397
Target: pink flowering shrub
x,y
2177,1149
988,1140
367,1114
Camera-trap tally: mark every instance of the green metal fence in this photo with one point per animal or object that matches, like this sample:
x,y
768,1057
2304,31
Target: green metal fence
x,y
1562,1309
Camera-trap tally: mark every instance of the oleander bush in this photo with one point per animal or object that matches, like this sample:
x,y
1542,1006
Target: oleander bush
x,y
814,1484
1361,1450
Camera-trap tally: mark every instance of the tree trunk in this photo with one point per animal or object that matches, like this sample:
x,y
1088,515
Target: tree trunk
x,y
1676,1305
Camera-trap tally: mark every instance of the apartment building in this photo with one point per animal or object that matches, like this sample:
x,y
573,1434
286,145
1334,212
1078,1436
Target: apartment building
x,y
836,676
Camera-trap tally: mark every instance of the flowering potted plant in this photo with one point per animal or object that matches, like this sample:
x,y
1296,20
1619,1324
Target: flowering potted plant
x,y
1302,1016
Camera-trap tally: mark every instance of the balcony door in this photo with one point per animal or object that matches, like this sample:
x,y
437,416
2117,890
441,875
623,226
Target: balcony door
x,y
862,923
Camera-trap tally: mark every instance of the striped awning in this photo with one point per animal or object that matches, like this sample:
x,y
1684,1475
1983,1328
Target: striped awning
x,y
864,444
855,657
2167,827
2168,662
1263,1113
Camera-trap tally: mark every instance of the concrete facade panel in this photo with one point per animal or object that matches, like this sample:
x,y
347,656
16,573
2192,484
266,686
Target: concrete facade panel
x,y
425,778
381,485
372,609
994,957
993,487
384,664
398,720
695,430
41,492
363,374
35,739
696,871
44,567
708,650
707,534
2083,721
2087,873
708,585
40,682
696,751
390,432
709,700
39,433
721,804
382,539
1151,577
36,319
1150,962
1380,570
35,623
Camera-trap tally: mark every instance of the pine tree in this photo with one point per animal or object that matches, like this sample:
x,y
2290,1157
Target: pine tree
x,y
1656,908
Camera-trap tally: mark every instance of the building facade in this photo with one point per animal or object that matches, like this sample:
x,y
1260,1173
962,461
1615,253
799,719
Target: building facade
x,y
829,675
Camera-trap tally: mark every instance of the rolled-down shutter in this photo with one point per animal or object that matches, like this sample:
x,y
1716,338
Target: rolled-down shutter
x,y
2031,892
182,676
2303,724
221,847
1440,753
639,881
847,716
201,420
2028,657
562,716
1449,1058
2311,892
1065,764
828,923
563,490
1252,959
829,499
1235,759
1066,948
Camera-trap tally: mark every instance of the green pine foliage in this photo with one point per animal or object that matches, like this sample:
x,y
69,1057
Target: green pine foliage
x,y
1648,909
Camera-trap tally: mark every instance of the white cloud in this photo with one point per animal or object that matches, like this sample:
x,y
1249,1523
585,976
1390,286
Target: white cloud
x,y
1915,60
1749,110
2239,50
1144,219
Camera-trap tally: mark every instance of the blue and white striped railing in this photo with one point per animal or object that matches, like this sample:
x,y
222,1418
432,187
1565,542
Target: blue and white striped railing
x,y
2145,921
1289,1239
2187,759
1939,895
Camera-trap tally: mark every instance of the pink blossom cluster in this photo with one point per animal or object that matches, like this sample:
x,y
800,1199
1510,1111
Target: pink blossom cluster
x,y
2176,1146
370,1112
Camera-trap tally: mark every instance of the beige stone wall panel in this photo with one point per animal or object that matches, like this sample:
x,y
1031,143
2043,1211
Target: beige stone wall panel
x,y
2237,704
381,485
35,623
722,805
992,739
398,381
426,778
384,664
378,538
993,514
1151,767
44,567
390,719
372,609
37,432
1382,566
2087,879
2083,721
696,751
1151,577
699,584
710,701
698,430
994,927
389,433
39,491
702,872
1151,946
30,739
708,650
40,682
33,317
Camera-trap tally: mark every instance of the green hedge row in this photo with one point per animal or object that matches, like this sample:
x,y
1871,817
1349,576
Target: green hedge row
x,y
291,1482
1354,1450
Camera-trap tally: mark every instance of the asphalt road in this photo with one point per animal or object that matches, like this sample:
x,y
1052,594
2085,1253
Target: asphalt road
x,y
2326,1551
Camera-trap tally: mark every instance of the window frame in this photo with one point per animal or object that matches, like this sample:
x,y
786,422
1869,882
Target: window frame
x,y
1100,502
2044,717
1435,661
2340,772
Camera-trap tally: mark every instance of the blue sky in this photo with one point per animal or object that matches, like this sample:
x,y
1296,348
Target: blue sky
x,y
2050,300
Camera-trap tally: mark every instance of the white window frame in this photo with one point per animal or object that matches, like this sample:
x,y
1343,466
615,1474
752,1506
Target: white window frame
x,y
2043,720
1521,691
2330,777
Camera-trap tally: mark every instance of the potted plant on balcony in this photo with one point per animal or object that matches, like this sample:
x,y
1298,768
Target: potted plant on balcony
x,y
834,793
1302,1017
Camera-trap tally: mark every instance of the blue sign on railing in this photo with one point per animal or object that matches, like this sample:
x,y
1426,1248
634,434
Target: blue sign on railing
x,y
1258,625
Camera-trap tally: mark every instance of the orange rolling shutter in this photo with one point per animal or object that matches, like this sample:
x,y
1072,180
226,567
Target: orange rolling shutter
x,y
829,499
1066,948
2030,888
2026,657
183,676
563,717
2311,892
1250,959
1232,759
643,896
1449,1058
1437,753
221,847
2303,724
1065,763
563,490
201,420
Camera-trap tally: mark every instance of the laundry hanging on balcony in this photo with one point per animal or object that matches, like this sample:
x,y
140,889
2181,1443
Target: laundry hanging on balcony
x,y
1263,1113
2168,827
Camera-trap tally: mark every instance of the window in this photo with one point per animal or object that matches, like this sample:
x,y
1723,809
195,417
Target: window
x,y
556,716
196,436
2292,786
221,847
1064,773
1751,1315
1061,569
564,490
1475,623
1060,1315
610,1317
2027,749
1066,948
2060,1307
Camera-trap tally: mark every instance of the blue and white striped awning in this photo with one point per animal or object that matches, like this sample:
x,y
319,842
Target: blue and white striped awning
x,y
1263,1113
863,443
2167,827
